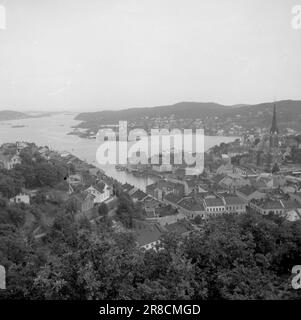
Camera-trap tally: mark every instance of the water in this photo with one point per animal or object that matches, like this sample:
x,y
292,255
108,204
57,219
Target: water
x,y
52,131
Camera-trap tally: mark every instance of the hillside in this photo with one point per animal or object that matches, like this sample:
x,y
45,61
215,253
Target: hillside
x,y
180,110
12,115
211,115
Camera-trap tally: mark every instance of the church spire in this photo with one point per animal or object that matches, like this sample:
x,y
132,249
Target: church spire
x,y
274,128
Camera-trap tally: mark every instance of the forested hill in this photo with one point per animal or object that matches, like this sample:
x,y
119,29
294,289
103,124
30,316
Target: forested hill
x,y
259,115
180,110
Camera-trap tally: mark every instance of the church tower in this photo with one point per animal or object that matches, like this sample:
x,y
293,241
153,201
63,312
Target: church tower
x,y
274,131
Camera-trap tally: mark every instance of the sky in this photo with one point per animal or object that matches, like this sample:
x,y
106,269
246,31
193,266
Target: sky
x,y
82,55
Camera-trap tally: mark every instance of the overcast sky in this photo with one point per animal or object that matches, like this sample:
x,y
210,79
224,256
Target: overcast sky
x,y
113,54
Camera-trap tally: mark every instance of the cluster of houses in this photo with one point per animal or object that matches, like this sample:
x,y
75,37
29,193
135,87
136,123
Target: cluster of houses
x,y
9,155
173,202
84,195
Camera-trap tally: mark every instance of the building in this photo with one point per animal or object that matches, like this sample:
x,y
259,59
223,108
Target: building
x,y
163,187
248,193
148,235
244,171
234,204
274,132
9,161
138,195
234,181
83,201
293,215
214,206
267,206
181,227
192,208
100,192
225,169
173,199
20,198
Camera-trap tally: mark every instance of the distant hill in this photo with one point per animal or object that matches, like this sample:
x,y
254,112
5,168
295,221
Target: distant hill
x,y
12,115
247,116
180,110
260,115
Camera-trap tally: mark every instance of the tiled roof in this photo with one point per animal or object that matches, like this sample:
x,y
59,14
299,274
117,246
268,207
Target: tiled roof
x,y
291,204
148,234
179,227
191,204
247,190
127,187
173,198
165,211
269,204
214,202
233,201
139,195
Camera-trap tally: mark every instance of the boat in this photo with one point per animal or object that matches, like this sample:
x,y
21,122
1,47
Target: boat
x,y
120,167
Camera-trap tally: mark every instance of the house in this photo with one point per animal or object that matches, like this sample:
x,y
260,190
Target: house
x,y
100,192
163,187
293,215
9,161
148,235
290,205
96,172
138,195
20,198
234,204
225,169
269,181
181,227
233,181
248,193
214,205
267,206
165,215
245,171
127,187
192,208
173,199
75,179
21,145
83,201
188,185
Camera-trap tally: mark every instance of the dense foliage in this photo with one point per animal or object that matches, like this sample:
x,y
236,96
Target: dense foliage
x,y
231,257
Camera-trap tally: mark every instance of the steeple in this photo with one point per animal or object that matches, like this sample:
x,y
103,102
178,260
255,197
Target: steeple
x,y
274,128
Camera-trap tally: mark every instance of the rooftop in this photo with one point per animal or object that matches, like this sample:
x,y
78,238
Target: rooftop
x,y
232,200
180,227
191,204
148,233
214,202
247,190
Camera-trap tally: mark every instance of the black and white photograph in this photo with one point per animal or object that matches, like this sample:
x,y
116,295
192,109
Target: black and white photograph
x,y
150,150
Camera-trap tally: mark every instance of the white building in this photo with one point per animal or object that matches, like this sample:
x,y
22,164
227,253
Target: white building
x,y
100,194
20,198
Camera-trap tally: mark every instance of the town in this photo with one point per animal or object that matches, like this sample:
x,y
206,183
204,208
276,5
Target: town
x,y
247,175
